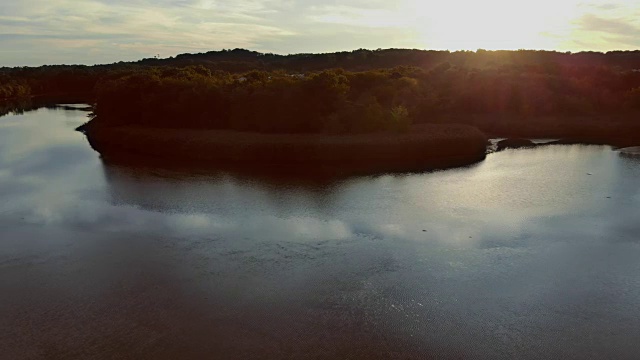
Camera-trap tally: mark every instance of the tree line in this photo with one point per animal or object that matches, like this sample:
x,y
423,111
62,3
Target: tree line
x,y
80,78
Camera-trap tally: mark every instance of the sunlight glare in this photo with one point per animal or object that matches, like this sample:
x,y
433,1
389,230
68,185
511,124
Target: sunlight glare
x,y
493,24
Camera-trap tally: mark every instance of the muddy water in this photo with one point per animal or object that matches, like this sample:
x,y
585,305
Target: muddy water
x,y
531,253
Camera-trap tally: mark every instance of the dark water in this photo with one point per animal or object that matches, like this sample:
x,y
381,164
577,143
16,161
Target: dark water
x,y
524,255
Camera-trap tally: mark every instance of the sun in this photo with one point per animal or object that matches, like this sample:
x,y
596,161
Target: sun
x,y
493,24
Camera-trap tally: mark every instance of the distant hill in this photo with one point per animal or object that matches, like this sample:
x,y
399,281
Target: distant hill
x,y
242,60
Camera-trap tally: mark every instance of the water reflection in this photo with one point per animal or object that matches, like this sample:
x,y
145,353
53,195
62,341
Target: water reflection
x,y
472,206
496,260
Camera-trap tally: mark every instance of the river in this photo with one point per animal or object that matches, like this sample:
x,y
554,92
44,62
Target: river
x,y
529,254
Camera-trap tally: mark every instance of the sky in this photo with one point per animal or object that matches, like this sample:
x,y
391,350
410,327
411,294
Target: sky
x,y
36,32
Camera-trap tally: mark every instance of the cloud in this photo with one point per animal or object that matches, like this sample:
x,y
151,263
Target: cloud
x,y
355,16
608,6
622,31
590,22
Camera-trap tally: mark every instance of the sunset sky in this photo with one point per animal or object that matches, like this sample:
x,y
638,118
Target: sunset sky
x,y
35,32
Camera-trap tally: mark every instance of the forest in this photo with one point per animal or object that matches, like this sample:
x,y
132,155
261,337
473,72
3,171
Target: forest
x,y
350,92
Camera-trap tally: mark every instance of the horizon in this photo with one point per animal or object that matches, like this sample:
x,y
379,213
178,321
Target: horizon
x,y
39,32
324,53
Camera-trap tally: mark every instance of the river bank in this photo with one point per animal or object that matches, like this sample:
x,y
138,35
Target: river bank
x,y
53,98
34,102
424,147
618,129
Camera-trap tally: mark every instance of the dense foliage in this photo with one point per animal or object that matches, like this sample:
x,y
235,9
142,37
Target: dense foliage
x,y
340,101
327,101
14,89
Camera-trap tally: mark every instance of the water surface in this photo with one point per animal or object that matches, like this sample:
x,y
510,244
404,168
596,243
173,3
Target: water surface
x,y
530,254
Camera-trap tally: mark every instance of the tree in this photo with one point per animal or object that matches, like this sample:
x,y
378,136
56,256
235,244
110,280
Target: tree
x,y
400,120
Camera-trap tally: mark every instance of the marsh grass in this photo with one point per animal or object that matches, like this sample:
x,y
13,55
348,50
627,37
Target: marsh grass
x,y
423,147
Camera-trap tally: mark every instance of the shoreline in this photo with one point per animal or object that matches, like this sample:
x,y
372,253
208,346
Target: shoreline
x,y
425,147
615,129
33,102
55,98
